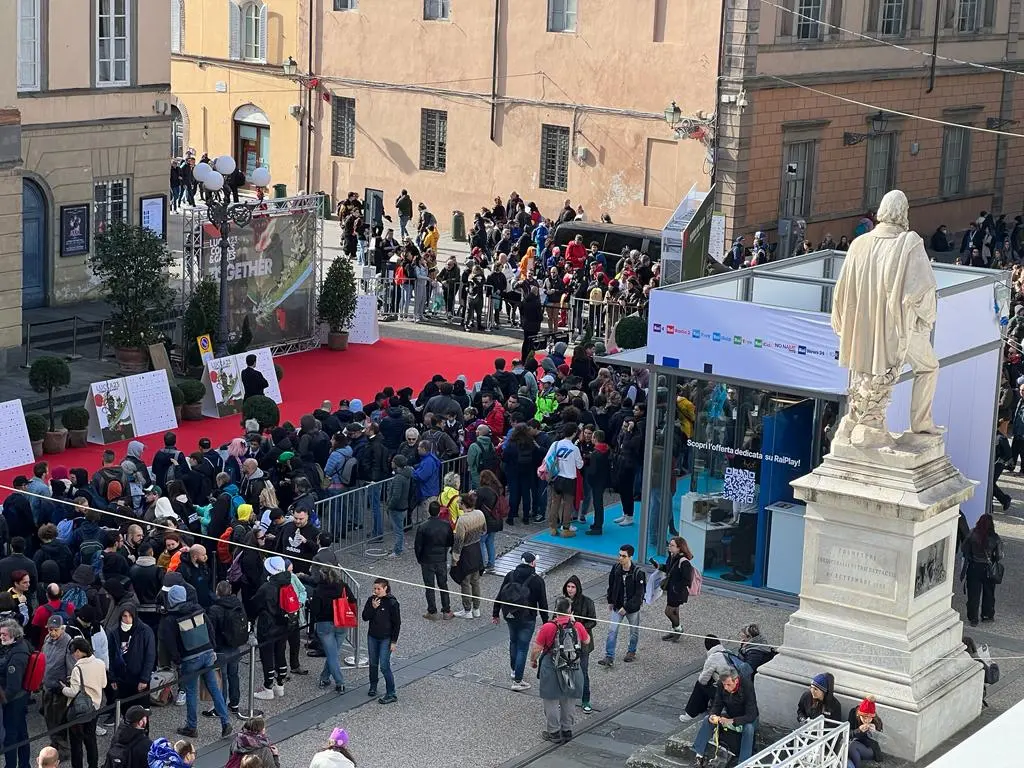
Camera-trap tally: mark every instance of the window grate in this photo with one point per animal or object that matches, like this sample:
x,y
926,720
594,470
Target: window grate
x,y
433,140
561,15
343,126
808,20
554,157
111,203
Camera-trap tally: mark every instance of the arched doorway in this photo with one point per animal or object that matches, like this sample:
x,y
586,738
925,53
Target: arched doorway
x,y
34,245
177,133
252,138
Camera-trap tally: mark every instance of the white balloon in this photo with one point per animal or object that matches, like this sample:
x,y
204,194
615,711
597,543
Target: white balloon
x,y
225,164
260,177
214,182
202,171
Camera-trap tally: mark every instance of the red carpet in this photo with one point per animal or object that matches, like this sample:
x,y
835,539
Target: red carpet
x,y
309,379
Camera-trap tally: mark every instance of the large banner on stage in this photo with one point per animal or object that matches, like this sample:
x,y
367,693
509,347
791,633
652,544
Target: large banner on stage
x,y
271,278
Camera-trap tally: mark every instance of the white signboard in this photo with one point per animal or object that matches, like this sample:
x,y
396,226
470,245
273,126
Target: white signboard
x,y
123,409
223,379
734,339
716,238
15,448
364,328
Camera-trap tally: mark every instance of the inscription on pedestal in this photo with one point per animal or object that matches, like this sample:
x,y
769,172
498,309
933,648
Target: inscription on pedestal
x,y
840,564
931,567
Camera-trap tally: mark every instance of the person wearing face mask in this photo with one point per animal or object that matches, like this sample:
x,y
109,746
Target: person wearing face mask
x,y
132,657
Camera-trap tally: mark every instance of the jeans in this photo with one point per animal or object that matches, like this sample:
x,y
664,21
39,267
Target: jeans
x,y
231,657
398,527
16,730
596,496
203,664
616,618
403,224
331,639
519,635
487,549
436,574
378,515
380,656
857,752
746,739
176,192
585,668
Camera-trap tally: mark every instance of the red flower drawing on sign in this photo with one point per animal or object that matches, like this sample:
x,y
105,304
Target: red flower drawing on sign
x,y
98,399
213,376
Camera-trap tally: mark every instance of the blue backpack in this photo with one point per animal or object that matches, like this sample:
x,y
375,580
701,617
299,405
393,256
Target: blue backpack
x,y
66,530
740,665
76,595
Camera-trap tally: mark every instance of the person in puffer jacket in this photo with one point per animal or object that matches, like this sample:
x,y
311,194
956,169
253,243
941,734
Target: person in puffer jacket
x,y
163,754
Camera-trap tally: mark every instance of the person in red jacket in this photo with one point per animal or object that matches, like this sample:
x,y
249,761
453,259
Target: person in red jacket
x,y
576,253
494,414
53,605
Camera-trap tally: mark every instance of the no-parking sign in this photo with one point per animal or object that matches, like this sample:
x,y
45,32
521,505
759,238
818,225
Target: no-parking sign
x,y
205,347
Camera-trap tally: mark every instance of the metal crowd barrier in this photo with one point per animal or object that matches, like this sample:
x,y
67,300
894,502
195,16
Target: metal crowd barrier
x,y
359,516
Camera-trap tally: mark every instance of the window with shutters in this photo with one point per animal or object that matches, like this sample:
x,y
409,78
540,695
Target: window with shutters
x,y
29,45
436,10
880,169
956,158
111,203
346,5
177,26
113,43
554,157
561,15
797,180
433,140
343,127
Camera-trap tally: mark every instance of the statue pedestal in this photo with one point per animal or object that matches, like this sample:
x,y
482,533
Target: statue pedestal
x,y
876,592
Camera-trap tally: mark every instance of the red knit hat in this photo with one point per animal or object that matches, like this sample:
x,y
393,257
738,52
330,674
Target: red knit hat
x,y
866,706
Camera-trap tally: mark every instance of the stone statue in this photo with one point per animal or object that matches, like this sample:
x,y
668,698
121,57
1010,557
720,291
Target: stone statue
x,y
884,309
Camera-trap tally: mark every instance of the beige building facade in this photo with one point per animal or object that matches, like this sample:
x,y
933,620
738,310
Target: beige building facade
x,y
10,194
93,80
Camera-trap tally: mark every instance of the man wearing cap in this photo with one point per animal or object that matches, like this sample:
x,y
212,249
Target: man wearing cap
x,y
59,662
521,587
131,744
186,636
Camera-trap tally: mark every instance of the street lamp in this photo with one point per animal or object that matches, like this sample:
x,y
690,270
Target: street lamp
x,y
290,67
878,126
221,214
673,115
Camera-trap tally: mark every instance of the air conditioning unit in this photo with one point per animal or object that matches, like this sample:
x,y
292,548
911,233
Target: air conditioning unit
x,y
161,107
582,153
295,110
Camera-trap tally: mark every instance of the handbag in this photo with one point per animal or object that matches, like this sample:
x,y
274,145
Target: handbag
x,y
994,572
344,614
81,707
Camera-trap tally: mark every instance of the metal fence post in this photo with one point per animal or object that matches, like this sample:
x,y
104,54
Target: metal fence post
x,y
253,712
28,343
74,340
117,714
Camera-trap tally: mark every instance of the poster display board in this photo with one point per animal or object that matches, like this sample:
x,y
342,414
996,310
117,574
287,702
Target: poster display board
x,y
364,328
123,409
223,379
15,448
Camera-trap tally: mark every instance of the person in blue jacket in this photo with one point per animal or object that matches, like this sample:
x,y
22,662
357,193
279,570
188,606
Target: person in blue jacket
x,y
427,473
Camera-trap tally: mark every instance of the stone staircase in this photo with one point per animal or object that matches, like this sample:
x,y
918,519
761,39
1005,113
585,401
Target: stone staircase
x,y
677,750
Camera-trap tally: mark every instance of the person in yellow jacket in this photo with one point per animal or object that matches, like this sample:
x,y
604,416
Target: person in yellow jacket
x,y
431,237
685,410
451,505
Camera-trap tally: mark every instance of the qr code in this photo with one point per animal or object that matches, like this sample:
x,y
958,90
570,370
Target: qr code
x,y
740,485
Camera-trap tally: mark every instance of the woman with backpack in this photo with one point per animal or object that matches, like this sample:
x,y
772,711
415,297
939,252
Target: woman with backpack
x,y
272,627
89,676
490,499
678,572
322,612
982,569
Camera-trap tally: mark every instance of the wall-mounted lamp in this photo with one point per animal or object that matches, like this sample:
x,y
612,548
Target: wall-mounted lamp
x,y
995,123
673,115
290,67
878,126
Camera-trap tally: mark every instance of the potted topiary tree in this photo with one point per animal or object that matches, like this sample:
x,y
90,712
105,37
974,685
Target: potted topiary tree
x,y
631,332
263,409
193,392
336,304
37,425
76,421
178,400
201,319
46,375
132,263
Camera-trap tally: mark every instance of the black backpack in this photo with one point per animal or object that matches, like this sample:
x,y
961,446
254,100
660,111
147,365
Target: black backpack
x,y
567,649
516,593
488,458
118,756
234,628
87,551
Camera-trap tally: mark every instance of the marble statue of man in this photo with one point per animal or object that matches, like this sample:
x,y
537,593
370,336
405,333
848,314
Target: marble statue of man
x,y
884,309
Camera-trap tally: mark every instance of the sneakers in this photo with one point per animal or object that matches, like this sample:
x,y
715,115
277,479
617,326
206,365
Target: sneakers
x,y
630,656
393,555
554,738
592,532
279,691
626,522
566,736
463,614
319,684
587,708
267,694
209,712
371,693
448,615
607,661
520,685
180,700
101,731
299,671
225,730
685,718
187,732
430,616
619,520
670,635
389,698
699,762
568,533
476,613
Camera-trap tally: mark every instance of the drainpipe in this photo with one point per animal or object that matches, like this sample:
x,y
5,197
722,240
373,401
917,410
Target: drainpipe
x,y
309,103
494,68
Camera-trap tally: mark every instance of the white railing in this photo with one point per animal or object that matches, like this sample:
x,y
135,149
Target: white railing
x,y
818,743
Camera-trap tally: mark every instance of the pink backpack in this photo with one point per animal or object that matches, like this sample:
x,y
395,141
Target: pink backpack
x,y
696,580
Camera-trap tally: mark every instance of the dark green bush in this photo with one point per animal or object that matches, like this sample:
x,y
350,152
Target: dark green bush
x,y
192,391
631,332
263,409
75,417
37,426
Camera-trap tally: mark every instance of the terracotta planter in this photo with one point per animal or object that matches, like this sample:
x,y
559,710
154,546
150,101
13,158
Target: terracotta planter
x,y
337,341
177,413
55,442
192,411
78,438
37,448
131,360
